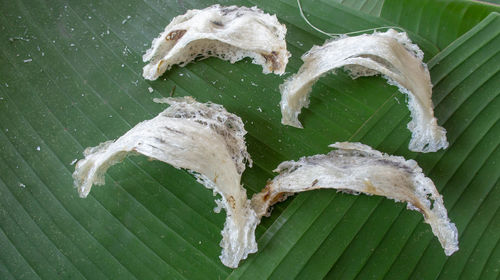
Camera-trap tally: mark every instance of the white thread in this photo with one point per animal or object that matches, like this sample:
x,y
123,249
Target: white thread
x,y
340,34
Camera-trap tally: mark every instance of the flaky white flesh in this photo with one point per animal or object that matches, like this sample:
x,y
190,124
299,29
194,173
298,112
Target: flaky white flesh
x,y
203,138
357,168
391,54
230,33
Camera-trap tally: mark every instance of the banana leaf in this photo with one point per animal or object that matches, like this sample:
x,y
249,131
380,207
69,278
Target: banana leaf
x,y
70,78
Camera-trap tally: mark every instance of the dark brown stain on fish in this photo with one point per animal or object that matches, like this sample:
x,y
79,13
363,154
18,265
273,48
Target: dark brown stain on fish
x,y
175,35
273,58
217,23
314,183
231,202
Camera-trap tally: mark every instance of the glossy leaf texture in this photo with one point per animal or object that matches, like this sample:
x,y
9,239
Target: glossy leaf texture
x,y
71,78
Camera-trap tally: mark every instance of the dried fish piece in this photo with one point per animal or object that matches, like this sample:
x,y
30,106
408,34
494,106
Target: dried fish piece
x,y
230,33
203,138
357,168
389,53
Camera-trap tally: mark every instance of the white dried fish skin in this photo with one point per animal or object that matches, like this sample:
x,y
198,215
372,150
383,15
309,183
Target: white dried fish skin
x,y
203,138
358,168
230,33
391,54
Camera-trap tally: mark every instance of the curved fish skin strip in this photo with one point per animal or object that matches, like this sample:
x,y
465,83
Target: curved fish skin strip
x,y
230,33
203,138
357,168
389,53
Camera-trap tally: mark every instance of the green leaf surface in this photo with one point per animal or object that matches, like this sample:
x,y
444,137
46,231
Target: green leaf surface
x,y
71,78
440,21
